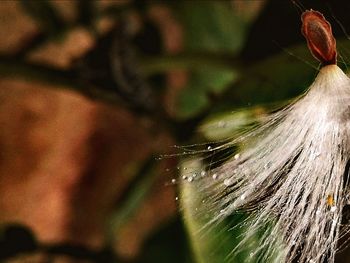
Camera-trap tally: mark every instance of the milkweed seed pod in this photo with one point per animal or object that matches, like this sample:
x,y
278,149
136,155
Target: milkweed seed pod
x,y
291,171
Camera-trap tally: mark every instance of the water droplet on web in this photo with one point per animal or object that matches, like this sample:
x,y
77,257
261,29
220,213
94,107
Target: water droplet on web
x,y
236,156
190,179
194,175
185,168
173,181
203,173
184,177
215,176
209,148
176,198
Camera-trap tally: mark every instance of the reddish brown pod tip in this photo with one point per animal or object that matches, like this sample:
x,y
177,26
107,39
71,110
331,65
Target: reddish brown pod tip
x,y
320,40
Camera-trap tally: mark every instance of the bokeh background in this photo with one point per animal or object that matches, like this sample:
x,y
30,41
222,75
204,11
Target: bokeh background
x,y
95,94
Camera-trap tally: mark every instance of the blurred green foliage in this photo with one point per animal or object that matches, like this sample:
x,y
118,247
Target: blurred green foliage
x,y
222,31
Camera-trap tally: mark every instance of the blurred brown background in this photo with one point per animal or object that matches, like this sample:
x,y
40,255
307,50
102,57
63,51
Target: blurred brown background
x,y
66,160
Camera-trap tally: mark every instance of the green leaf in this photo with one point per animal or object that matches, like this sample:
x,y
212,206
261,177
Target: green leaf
x,y
211,26
214,243
133,197
230,124
168,244
191,102
203,82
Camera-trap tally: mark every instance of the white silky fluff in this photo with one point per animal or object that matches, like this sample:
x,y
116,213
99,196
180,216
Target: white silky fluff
x,y
290,174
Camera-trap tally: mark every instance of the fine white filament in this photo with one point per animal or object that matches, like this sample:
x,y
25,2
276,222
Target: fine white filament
x,y
291,172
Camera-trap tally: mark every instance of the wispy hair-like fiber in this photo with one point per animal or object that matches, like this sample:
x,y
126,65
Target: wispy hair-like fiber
x,y
292,172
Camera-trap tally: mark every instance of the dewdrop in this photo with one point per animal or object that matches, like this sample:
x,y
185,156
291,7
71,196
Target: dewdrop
x,y
289,172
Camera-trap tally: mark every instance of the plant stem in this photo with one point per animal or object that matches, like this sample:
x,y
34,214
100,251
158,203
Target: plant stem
x,y
152,65
56,78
